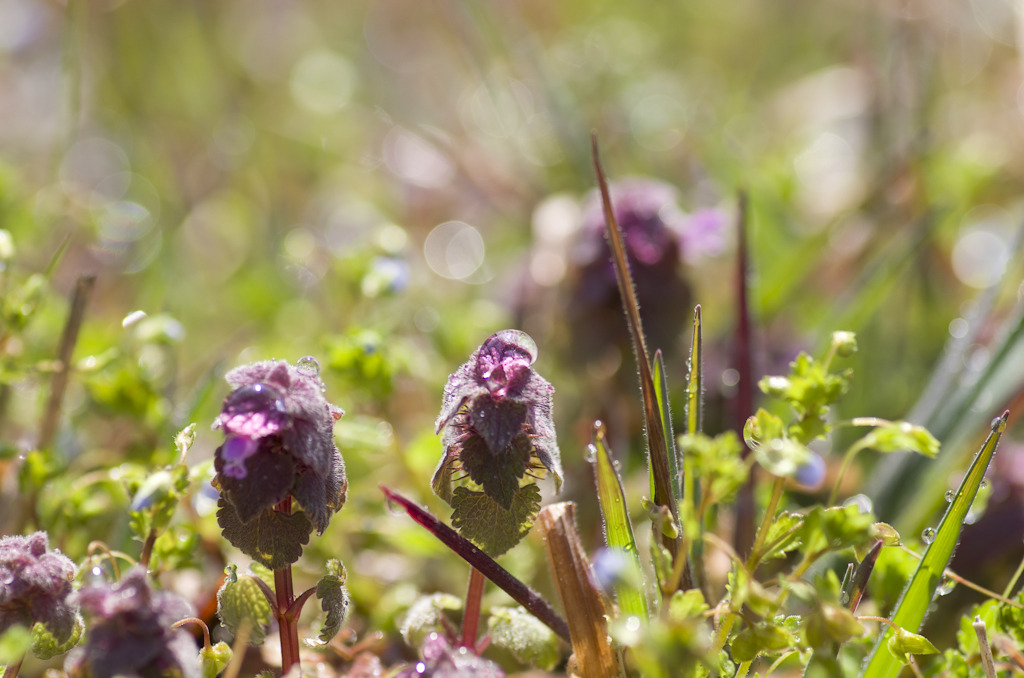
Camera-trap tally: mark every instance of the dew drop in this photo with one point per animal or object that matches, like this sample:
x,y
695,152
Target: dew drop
x,y
945,586
421,668
928,535
984,484
950,494
590,456
633,624
308,366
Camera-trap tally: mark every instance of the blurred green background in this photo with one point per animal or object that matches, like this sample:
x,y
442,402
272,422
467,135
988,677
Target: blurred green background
x,y
383,184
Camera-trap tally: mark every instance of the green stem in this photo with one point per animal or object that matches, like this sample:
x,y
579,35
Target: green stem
x,y
742,670
847,460
1014,579
721,635
471,617
766,521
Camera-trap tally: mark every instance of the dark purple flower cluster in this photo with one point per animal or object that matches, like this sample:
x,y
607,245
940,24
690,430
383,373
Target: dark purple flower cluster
x,y
496,417
35,584
279,444
658,236
131,634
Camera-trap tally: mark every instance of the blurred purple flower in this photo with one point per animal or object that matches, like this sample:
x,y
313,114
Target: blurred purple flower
x,y
658,236
279,444
496,418
35,584
441,660
130,632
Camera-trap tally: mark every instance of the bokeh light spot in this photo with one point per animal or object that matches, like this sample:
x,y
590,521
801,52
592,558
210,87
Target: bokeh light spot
x,y
454,250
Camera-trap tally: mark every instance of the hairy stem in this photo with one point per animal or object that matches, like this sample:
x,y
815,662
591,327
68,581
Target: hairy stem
x,y
12,669
285,594
471,617
147,549
201,623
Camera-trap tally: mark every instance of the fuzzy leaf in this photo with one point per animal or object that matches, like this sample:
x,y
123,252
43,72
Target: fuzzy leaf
x,y
493,528
321,497
272,539
522,634
496,470
333,597
240,600
46,646
424,616
269,480
214,659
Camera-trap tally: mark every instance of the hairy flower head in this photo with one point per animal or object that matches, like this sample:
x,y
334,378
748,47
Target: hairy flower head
x,y
35,584
496,418
279,443
130,632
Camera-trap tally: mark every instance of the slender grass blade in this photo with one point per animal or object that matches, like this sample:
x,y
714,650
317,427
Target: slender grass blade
x,y
618,531
917,596
657,451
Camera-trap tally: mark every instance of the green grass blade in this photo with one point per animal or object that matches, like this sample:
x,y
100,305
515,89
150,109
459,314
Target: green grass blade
x,y
665,415
618,531
693,527
913,603
657,453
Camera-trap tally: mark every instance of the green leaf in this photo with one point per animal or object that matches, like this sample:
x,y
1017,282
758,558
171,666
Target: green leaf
x,y
46,646
834,529
490,526
898,436
920,590
783,536
334,600
903,643
717,463
782,456
618,531
761,638
214,659
424,616
687,605
156,499
522,634
272,539
241,600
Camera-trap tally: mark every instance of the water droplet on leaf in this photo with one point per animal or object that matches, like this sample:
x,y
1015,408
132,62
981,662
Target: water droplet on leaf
x,y
950,494
945,586
928,535
590,456
984,484
308,366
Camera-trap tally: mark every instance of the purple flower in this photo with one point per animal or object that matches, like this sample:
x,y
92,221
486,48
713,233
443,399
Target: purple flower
x,y
496,418
130,632
658,236
279,444
35,584
441,660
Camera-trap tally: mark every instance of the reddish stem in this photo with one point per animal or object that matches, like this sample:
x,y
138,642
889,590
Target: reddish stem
x,y
471,618
288,628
